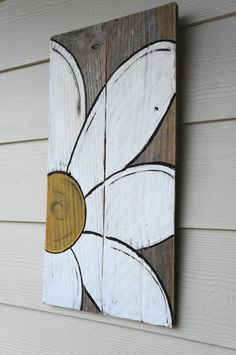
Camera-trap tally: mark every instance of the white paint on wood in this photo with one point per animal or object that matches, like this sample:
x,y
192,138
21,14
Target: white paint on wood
x,y
116,130
87,164
127,104
67,107
130,288
62,280
94,211
140,205
27,20
138,96
89,253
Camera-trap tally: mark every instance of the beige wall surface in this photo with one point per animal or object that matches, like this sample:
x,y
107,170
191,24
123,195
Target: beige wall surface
x,y
206,249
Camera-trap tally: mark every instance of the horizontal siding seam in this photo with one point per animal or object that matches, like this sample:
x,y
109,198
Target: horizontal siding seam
x,y
209,20
81,317
184,27
185,124
27,65
40,139
178,228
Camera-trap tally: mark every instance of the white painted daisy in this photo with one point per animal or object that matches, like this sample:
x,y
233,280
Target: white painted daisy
x,y
101,210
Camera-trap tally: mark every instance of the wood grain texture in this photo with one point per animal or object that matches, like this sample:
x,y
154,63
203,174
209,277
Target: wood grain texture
x,y
100,51
206,283
31,19
207,91
89,48
33,335
66,213
132,33
206,188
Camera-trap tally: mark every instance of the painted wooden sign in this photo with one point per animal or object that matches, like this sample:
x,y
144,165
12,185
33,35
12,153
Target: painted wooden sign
x,y
111,171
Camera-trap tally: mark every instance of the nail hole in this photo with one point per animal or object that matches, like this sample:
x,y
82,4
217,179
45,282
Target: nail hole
x,y
156,108
95,46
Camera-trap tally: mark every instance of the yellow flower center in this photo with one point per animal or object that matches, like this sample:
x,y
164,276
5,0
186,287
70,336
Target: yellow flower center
x,y
66,212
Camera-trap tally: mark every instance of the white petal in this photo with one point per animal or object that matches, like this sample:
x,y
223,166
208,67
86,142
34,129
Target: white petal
x,y
62,280
67,106
130,288
95,211
88,250
129,101
87,165
140,205
138,96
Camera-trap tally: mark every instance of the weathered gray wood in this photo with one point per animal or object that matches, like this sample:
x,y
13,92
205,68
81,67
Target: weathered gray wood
x,y
89,49
99,51
88,46
133,33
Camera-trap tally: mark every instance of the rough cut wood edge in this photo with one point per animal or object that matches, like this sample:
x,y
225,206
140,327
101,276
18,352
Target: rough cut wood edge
x,y
33,335
205,193
205,279
37,20
208,92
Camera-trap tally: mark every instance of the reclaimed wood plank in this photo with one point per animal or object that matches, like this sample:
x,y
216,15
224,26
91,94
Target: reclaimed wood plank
x,y
126,132
135,32
88,50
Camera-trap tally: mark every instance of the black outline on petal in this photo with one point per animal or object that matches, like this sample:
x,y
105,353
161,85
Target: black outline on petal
x,y
153,135
128,167
100,92
151,267
82,300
